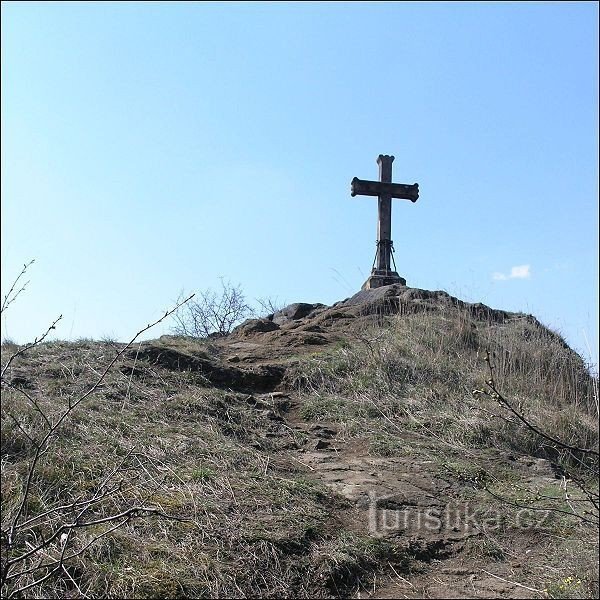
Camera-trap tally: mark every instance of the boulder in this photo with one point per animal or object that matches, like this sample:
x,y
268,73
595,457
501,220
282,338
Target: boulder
x,y
252,326
294,312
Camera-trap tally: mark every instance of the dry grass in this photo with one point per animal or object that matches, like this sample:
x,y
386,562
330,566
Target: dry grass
x,y
416,374
421,371
257,527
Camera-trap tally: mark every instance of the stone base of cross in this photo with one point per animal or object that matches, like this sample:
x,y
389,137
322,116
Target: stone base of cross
x,y
382,273
380,278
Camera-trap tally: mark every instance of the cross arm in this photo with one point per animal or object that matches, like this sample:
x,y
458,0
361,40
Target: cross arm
x,y
362,187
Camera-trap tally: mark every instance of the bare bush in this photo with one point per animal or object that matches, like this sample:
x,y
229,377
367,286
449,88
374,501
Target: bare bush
x,y
215,313
268,306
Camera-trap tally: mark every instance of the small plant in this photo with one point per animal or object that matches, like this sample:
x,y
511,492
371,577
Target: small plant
x,y
486,547
385,445
202,474
569,587
323,409
464,471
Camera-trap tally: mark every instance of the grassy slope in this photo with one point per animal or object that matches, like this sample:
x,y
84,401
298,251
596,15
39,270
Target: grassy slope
x,y
260,523
422,373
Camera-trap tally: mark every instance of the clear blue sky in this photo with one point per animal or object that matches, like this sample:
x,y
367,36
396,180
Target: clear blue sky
x,y
150,147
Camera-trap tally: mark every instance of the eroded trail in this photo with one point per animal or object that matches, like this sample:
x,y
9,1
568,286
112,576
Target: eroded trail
x,y
410,501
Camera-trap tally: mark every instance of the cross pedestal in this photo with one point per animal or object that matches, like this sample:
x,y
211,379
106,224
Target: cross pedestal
x,y
379,278
382,272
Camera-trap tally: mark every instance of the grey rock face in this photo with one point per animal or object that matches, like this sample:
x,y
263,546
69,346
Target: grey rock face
x,y
293,312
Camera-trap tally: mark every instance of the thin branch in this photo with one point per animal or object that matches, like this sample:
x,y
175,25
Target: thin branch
x,y
11,296
42,565
29,346
498,396
21,428
32,400
73,405
514,583
77,504
540,508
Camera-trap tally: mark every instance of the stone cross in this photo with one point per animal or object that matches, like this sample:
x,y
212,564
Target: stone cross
x,y
382,273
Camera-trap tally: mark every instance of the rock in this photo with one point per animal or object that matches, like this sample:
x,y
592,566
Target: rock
x,y
293,312
313,328
321,444
258,378
258,404
252,326
278,395
20,380
271,414
301,338
323,431
395,298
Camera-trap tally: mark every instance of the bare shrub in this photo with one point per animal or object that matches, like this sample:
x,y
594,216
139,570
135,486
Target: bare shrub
x,y
215,313
268,306
578,465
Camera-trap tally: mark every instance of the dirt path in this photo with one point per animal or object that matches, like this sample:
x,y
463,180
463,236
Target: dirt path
x,y
406,500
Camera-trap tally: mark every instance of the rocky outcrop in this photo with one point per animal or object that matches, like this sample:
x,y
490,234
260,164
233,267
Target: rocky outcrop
x,y
262,378
252,326
296,311
393,299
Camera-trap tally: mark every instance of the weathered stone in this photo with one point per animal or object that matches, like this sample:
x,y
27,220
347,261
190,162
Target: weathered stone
x,y
252,326
323,431
258,378
396,298
302,338
322,444
293,312
271,415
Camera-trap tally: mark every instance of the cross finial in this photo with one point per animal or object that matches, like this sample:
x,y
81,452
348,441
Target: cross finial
x,y
385,167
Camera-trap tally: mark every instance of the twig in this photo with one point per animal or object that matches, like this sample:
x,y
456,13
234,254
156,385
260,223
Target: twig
x,y
10,296
514,583
498,396
83,506
398,576
29,346
540,508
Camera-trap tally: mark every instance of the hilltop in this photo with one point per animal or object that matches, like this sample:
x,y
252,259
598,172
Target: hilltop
x,y
321,451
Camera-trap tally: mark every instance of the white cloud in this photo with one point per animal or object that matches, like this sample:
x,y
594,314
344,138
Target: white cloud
x,y
518,272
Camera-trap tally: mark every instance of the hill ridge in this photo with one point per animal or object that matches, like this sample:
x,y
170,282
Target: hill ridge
x,y
324,451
